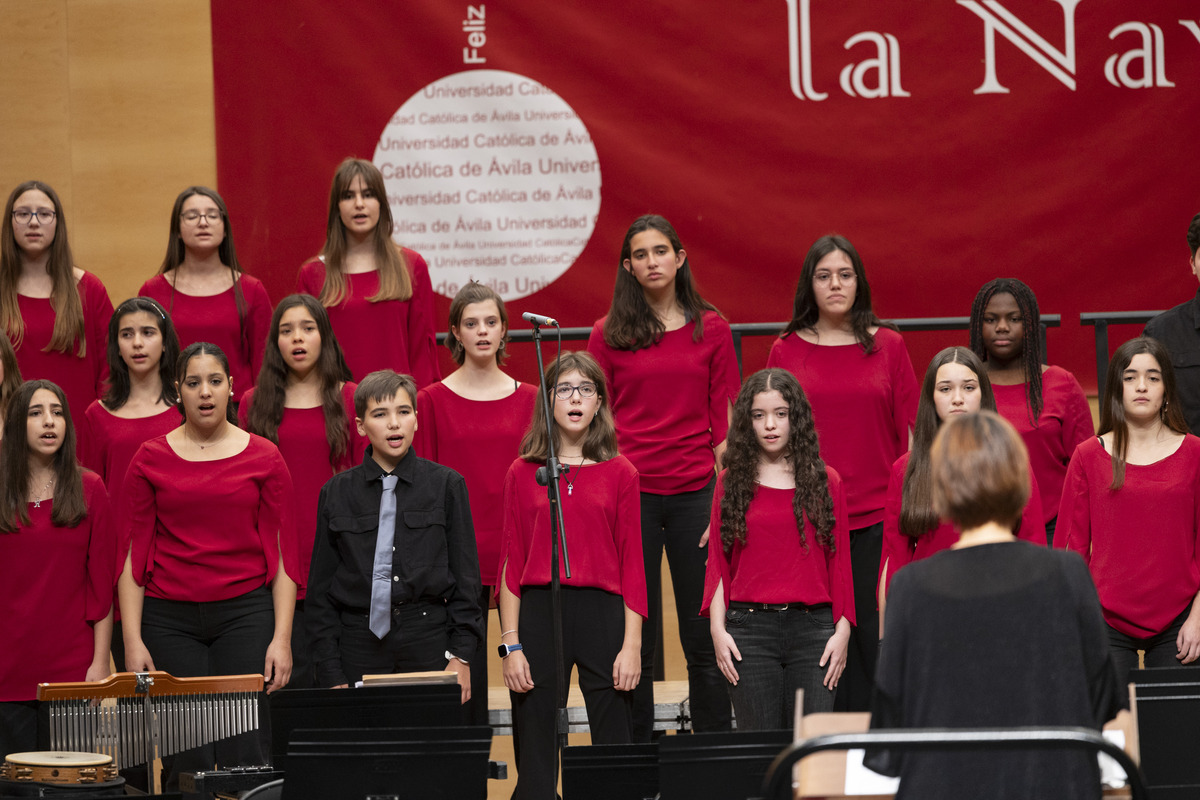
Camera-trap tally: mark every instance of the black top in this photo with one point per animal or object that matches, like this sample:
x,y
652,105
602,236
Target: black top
x,y
1179,331
435,557
997,635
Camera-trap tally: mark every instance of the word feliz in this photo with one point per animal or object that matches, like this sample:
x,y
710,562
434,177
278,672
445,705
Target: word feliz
x,y
855,79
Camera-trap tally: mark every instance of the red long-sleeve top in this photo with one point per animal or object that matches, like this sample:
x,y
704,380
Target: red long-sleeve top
x,y
772,566
1140,542
478,439
602,517
864,405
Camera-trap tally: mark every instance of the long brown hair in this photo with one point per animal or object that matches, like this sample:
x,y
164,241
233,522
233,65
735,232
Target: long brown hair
x,y
64,292
12,374
266,408
917,516
631,324
119,384
811,499
805,311
475,292
600,444
395,278
69,504
1112,407
176,251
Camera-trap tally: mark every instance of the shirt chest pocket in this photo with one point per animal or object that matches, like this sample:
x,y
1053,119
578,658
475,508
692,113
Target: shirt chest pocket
x,y
422,535
351,525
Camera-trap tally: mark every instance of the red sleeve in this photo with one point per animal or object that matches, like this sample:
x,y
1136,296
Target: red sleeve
x,y
276,522
422,337
258,323
629,544
716,571
598,349
137,515
724,380
426,439
773,357
102,550
1074,512
1033,526
512,559
89,450
97,311
905,394
1077,416
897,548
311,278
841,581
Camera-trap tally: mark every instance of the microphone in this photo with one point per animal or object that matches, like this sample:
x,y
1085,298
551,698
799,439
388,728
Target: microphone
x,y
538,319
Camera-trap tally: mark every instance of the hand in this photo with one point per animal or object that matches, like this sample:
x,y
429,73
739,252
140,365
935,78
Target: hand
x,y
704,537
835,653
627,669
463,673
1188,640
341,686
277,669
137,658
727,652
517,676
98,671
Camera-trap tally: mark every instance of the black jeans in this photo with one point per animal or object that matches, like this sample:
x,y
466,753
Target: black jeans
x,y
1160,650
416,642
223,637
675,523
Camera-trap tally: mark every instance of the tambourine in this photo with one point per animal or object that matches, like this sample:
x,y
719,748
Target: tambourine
x,y
59,767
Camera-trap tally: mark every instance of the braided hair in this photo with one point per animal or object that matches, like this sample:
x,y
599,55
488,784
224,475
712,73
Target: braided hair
x,y
1032,356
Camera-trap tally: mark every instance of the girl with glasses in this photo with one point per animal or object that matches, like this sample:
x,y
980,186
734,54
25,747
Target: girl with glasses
x,y
603,602
472,421
368,284
54,313
203,287
668,359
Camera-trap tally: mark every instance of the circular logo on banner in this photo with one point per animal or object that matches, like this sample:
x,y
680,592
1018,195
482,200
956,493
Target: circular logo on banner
x,y
491,177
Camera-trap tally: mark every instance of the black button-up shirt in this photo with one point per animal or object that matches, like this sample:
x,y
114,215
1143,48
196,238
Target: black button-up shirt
x,y
1179,331
434,553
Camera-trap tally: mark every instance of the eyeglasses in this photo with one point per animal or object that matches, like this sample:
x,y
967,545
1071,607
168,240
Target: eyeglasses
x,y
193,217
564,390
42,215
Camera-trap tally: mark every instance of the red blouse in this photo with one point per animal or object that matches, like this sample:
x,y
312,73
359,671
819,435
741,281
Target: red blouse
x,y
55,584
81,379
215,319
671,402
602,516
393,334
1065,421
305,449
772,566
1141,541
863,405
900,550
478,439
207,530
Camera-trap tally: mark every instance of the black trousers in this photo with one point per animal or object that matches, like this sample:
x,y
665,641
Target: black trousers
x,y
593,631
858,681
675,523
416,642
225,637
18,726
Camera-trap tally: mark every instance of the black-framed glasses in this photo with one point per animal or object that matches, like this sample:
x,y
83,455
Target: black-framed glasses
x,y
564,390
192,217
42,215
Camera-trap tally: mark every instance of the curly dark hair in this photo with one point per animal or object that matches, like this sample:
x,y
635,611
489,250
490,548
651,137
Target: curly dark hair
x,y
812,498
1031,344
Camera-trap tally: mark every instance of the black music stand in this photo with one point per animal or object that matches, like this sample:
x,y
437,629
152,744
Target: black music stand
x,y
717,766
449,763
610,772
1168,719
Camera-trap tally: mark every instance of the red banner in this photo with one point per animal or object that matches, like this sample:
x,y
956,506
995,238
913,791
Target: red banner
x,y
952,142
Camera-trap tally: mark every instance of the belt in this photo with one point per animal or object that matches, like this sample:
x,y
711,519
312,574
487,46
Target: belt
x,y
775,606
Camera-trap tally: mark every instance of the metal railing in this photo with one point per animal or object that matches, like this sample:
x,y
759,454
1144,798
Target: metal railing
x,y
777,784
1101,320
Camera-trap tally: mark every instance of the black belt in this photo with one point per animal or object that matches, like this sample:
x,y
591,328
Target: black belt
x,y
776,606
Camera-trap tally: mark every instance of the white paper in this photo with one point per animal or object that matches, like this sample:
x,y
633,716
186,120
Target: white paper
x,y
860,780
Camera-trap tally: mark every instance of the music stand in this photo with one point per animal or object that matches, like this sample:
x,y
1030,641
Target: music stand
x,y
1168,716
717,766
610,772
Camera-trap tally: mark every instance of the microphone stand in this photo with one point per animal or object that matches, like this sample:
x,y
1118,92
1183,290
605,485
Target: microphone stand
x,y
548,476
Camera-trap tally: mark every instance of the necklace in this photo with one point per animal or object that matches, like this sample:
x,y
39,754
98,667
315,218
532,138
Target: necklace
x,y
571,482
43,494
205,446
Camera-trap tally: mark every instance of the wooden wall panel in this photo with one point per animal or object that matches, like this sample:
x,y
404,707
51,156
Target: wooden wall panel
x,y
111,101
